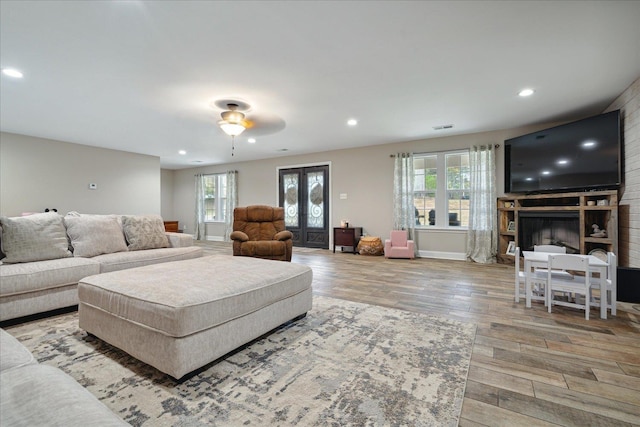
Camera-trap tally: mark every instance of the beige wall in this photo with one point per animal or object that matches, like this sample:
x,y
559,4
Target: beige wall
x,y
629,212
364,174
166,198
37,173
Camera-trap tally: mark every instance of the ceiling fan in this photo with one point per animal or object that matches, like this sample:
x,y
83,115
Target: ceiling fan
x,y
235,121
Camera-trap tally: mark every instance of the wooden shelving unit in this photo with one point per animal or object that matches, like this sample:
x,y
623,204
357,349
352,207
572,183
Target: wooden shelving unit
x,y
590,206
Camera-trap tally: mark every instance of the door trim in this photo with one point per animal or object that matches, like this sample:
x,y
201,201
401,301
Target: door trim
x,y
306,165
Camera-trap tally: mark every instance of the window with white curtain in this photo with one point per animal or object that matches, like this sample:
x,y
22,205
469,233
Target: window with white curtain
x,y
441,189
215,194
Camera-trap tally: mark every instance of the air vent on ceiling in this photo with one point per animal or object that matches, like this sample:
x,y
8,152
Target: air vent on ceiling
x,y
442,127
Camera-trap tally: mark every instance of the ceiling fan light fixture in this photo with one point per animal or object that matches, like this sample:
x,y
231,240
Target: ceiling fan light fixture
x,y
230,128
232,116
232,122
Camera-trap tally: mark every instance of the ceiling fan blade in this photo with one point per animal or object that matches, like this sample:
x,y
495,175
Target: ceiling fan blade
x,y
264,124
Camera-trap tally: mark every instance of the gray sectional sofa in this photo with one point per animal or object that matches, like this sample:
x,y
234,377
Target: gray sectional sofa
x,y
38,395
45,255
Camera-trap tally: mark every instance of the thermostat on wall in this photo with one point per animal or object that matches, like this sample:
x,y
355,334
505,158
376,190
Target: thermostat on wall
x,y
93,186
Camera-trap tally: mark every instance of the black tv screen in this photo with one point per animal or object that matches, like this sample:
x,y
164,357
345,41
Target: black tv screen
x,y
582,155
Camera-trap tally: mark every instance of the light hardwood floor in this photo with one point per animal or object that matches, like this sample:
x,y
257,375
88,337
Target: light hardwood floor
x,y
528,367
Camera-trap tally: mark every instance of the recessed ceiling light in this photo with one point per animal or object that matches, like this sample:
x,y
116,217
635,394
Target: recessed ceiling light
x,y
12,72
182,152
562,161
283,149
352,122
588,144
251,140
546,172
528,179
526,92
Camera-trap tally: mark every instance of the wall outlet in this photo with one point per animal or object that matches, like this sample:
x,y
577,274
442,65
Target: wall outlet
x,y
93,186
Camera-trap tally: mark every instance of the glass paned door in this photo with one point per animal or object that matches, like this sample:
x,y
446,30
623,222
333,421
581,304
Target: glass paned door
x,y
290,183
304,195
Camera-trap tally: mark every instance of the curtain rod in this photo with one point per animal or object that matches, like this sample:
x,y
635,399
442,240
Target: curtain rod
x,y
443,151
215,173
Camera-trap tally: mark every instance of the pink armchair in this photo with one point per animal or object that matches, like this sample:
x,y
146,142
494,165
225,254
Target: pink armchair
x,y
398,246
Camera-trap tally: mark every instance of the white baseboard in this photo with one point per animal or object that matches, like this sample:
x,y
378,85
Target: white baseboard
x,y
457,256
215,238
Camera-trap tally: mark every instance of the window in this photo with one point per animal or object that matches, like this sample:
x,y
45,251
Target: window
x,y
441,189
424,188
215,193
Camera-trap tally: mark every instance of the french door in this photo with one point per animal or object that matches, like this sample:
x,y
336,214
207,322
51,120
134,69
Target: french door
x,y
304,194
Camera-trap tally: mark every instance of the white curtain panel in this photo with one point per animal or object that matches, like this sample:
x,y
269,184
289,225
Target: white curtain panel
x,y
230,203
200,229
404,217
482,233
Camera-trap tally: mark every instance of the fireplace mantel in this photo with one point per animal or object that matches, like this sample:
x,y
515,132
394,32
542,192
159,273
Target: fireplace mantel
x,y
593,207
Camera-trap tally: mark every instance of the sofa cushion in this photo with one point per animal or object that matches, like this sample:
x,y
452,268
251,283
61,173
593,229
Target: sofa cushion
x,y
14,354
34,276
180,240
35,237
144,232
40,395
132,259
93,235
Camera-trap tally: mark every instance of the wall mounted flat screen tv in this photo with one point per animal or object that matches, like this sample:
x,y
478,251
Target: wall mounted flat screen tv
x,y
582,155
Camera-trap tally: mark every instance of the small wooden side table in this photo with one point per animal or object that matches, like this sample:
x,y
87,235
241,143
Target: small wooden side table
x,y
171,226
346,236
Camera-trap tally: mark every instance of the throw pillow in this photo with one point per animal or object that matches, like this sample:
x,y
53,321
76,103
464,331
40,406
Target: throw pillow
x,y
144,232
37,237
93,235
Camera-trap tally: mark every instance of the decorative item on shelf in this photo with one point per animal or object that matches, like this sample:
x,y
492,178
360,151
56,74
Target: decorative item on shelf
x,y
511,226
597,232
599,253
591,202
508,204
511,248
344,223
603,202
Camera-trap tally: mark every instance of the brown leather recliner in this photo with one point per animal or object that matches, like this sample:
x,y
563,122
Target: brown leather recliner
x,y
259,231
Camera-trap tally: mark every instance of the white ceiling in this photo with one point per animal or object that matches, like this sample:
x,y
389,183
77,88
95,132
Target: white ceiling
x,y
140,76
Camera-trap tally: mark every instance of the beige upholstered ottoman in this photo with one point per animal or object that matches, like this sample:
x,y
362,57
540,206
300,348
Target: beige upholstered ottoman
x,y
179,316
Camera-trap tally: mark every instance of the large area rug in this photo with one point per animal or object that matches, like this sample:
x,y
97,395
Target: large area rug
x,y
344,364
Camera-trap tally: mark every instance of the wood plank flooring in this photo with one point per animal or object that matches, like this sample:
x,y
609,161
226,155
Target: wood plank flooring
x,y
528,367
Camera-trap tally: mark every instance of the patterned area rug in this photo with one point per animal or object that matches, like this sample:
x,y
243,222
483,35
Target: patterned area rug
x,y
344,364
